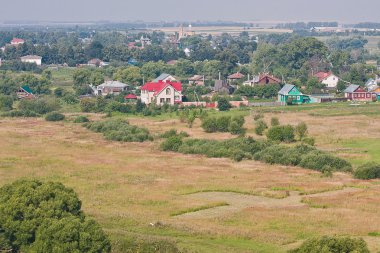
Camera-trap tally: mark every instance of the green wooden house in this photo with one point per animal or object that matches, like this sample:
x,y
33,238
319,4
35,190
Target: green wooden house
x,y
290,94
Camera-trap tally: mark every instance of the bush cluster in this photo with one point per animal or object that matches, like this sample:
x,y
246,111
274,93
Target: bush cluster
x,y
81,119
332,244
54,116
368,171
247,148
230,124
17,113
46,217
260,127
40,105
281,134
119,130
173,132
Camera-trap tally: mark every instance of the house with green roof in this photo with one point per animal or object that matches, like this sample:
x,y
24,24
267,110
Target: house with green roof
x,y
291,95
24,92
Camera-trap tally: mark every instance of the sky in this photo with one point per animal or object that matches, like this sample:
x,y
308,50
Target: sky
x,y
345,11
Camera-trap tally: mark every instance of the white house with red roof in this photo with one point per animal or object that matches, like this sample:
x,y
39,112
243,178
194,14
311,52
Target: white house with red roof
x,y
327,78
162,92
17,41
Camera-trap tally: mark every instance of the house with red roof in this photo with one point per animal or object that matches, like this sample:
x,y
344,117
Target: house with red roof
x,y
262,79
327,78
17,41
235,77
162,92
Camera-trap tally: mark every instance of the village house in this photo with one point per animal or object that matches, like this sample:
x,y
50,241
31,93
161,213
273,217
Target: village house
x,y
235,77
32,59
165,77
197,80
17,41
162,92
145,42
262,79
290,94
327,78
109,87
372,84
24,92
357,93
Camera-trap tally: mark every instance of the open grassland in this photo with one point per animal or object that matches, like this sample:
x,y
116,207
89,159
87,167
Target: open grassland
x,y
225,206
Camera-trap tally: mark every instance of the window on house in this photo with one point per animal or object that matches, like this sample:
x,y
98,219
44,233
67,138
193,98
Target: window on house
x,y
162,100
168,100
298,97
168,91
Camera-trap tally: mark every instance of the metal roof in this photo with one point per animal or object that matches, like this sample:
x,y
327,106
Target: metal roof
x,y
161,77
286,89
113,84
351,88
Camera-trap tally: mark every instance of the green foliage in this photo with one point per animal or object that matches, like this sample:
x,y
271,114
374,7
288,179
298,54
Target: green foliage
x,y
333,244
317,160
173,132
6,103
274,122
54,116
172,143
223,104
281,133
58,92
248,148
40,105
230,124
309,141
119,130
368,171
46,217
26,113
260,91
81,119
301,130
260,127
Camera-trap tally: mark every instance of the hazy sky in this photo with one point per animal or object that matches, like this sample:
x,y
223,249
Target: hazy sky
x,y
190,10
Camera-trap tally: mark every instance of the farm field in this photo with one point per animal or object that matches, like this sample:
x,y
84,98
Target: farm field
x,y
137,192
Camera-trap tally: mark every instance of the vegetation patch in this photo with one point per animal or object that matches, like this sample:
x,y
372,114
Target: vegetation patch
x,y
247,148
119,130
368,171
333,244
200,208
54,116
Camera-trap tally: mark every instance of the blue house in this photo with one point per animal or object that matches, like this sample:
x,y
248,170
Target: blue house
x,y
291,95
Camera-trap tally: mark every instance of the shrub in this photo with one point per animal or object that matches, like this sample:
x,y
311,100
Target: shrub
x,y
210,125
172,143
274,122
281,133
258,116
41,217
260,127
59,92
333,244
81,119
317,160
223,104
20,114
309,141
88,105
54,116
222,123
119,130
301,130
40,105
6,103
169,133
368,171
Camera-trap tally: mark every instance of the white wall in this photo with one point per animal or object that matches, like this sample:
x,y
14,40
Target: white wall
x,y
331,81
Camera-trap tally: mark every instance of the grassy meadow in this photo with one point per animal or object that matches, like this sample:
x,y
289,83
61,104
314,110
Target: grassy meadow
x,y
139,193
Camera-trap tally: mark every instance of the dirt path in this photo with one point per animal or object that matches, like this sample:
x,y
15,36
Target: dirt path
x,y
238,202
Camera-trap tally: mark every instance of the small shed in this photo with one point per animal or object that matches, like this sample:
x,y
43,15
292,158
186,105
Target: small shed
x,y
290,94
